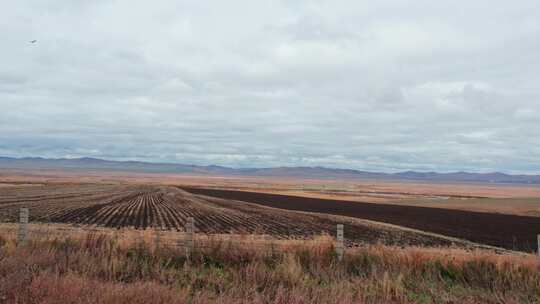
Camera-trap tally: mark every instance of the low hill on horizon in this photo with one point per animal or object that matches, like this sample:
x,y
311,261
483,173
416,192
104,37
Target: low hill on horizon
x,y
95,164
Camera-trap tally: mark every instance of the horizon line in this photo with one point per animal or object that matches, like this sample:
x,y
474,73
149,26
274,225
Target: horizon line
x,y
270,167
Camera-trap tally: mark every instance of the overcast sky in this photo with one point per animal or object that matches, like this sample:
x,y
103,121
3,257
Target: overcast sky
x,y
376,85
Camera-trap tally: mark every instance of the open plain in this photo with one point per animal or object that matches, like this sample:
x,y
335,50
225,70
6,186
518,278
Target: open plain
x,y
394,213
503,230
120,238
168,208
517,199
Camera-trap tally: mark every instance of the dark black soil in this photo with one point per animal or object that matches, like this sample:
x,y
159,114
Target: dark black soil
x,y
507,231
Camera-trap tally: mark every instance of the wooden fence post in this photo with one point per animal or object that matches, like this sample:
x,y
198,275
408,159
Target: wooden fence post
x,y
22,234
340,247
538,247
189,241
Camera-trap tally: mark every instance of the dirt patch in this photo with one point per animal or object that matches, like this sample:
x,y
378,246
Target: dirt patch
x,y
168,208
507,231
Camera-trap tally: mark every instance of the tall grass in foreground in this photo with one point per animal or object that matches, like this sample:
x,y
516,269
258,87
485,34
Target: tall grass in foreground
x,y
98,269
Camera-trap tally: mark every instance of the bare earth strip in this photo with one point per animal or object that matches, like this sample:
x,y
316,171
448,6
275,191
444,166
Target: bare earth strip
x,y
502,230
169,207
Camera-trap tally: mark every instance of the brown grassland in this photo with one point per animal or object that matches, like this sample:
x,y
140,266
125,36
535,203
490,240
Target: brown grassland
x,y
97,267
119,238
168,208
492,198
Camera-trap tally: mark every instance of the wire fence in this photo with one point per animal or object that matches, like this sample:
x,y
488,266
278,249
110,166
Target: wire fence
x,y
187,240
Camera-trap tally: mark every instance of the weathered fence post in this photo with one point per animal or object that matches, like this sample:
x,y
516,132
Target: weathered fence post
x,y
538,247
22,234
340,247
189,241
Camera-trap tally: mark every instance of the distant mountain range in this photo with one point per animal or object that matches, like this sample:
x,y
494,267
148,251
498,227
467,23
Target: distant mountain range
x,y
95,164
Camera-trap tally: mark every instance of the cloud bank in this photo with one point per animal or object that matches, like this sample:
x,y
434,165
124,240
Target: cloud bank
x,y
388,85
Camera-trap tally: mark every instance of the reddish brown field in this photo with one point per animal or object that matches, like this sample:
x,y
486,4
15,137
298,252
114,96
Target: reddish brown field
x,y
107,269
120,199
492,198
165,207
508,231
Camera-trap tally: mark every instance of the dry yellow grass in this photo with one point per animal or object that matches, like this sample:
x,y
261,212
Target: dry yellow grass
x,y
101,267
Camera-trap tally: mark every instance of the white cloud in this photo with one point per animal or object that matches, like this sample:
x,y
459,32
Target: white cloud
x,y
389,85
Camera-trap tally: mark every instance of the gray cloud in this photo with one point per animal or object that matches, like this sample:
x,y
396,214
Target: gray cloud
x,y
391,85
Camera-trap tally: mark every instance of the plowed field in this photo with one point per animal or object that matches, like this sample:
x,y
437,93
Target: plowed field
x,y
502,230
161,207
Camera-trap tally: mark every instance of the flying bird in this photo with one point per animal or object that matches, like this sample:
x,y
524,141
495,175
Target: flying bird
x,y
33,41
